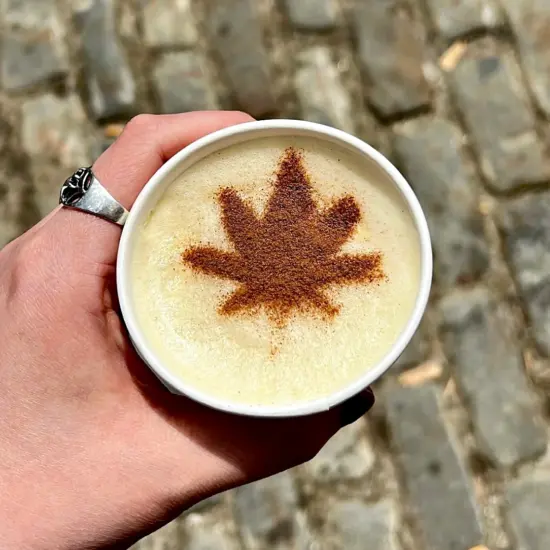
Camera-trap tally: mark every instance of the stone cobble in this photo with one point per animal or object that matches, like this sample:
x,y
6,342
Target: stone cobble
x,y
168,24
457,19
55,133
321,94
525,223
419,348
12,189
111,84
235,36
531,25
182,83
354,525
347,456
529,502
204,533
437,482
267,514
313,15
33,50
429,471
481,347
15,186
429,151
488,88
390,51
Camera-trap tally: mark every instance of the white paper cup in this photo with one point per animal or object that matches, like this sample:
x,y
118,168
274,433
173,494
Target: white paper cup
x,y
219,140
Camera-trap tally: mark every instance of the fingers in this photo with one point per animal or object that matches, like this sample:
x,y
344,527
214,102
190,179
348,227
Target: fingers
x,y
228,450
147,142
323,426
308,435
263,447
353,409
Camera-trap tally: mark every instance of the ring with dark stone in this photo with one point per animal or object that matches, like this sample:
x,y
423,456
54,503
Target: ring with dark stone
x,y
76,186
84,192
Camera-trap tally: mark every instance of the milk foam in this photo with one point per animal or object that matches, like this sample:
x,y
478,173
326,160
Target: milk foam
x,y
244,358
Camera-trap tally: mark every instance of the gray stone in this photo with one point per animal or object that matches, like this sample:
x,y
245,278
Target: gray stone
x,y
418,350
358,526
315,15
28,59
209,540
267,513
454,19
12,197
54,128
56,136
168,23
529,503
391,55
429,151
34,15
32,44
487,363
181,83
30,14
236,37
16,209
487,85
205,534
346,456
441,492
525,223
110,81
322,96
531,24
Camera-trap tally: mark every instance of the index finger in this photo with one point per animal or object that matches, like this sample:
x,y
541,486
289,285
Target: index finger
x,y
148,141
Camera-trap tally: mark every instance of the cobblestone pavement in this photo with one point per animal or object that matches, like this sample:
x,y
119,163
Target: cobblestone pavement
x,y
457,93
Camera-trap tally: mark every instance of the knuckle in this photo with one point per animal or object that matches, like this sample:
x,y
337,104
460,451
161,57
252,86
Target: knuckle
x,y
140,124
247,117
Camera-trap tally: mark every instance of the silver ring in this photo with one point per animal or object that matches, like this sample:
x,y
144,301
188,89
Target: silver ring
x,y
83,191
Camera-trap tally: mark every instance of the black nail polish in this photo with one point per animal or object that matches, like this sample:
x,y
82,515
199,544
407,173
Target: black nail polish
x,y
353,409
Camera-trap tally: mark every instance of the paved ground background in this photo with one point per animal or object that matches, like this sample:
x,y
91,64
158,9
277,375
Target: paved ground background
x,y
457,93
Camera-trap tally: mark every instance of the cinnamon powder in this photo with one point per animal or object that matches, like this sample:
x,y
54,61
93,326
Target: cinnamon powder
x,y
286,259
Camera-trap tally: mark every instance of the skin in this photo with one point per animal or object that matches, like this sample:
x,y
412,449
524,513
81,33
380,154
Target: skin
x,y
94,452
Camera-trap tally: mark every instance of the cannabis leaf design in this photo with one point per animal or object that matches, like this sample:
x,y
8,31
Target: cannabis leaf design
x,y
285,260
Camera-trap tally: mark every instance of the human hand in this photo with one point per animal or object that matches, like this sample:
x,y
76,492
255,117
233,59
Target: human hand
x,y
94,451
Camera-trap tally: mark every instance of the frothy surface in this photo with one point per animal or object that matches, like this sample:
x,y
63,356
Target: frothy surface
x,y
247,356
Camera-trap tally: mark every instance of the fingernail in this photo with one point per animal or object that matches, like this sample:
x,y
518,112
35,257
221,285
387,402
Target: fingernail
x,y
356,407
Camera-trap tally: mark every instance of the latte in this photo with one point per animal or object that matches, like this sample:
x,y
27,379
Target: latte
x,y
276,271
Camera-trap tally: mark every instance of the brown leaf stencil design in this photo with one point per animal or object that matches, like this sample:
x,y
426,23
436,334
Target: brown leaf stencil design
x,y
285,260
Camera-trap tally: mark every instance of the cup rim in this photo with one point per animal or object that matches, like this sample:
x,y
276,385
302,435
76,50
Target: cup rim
x,y
177,384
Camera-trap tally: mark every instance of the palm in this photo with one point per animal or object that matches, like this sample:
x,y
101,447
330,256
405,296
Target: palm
x,y
245,448
230,449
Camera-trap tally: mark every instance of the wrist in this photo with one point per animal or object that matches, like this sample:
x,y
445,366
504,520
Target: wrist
x,y
108,499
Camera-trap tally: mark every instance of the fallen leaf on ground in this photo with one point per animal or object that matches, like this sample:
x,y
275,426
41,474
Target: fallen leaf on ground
x,y
452,56
431,370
